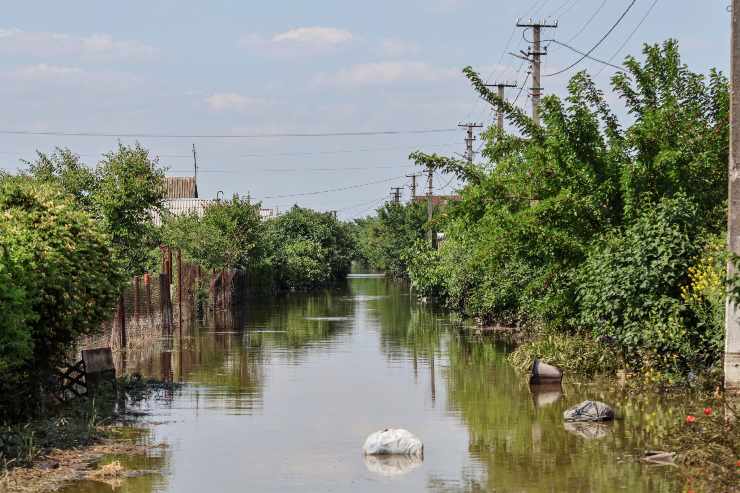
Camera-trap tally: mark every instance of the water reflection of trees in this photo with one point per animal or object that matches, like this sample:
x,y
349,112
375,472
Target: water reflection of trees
x,y
228,352
519,447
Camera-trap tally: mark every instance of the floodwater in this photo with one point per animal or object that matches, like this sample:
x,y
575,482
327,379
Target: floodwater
x,y
283,398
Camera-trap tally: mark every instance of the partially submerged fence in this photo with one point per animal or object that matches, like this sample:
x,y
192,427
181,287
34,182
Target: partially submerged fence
x,y
167,304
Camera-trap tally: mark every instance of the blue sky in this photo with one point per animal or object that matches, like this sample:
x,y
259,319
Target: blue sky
x,y
233,68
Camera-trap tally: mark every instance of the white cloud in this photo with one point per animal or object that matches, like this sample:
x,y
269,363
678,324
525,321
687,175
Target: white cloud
x,y
96,47
392,47
386,73
299,41
231,101
314,35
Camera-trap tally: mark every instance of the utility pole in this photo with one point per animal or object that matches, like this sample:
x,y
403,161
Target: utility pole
x,y
732,312
195,169
413,177
469,139
195,163
430,205
501,86
396,194
534,56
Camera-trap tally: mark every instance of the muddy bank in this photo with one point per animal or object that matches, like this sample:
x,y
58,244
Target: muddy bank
x,y
58,468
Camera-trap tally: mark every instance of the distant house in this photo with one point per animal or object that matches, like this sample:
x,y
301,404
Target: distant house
x,y
181,198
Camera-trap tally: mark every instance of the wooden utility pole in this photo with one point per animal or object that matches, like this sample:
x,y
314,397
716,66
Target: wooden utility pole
x,y
413,185
430,206
469,139
534,55
732,313
501,86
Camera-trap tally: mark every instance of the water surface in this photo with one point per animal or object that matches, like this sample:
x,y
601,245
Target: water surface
x,y
282,396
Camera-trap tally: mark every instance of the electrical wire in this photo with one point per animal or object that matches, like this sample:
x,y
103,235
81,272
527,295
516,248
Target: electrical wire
x,y
330,190
637,27
603,38
589,21
58,133
289,170
590,57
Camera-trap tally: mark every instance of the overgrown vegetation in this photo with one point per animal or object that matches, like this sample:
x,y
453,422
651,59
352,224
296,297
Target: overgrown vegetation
x,y
301,249
588,229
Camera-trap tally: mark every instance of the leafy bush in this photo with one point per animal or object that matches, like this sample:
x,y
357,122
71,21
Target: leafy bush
x,y
308,248
630,288
62,265
383,241
121,193
230,235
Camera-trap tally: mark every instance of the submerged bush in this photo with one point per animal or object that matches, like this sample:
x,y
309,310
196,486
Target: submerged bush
x,y
576,353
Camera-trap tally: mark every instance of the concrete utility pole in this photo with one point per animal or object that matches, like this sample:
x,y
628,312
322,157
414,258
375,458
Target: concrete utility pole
x,y
413,185
430,205
732,313
501,86
534,55
396,194
469,139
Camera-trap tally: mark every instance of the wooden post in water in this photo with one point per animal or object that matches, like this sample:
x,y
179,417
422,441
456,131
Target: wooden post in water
x,y
148,291
136,298
165,303
179,291
122,321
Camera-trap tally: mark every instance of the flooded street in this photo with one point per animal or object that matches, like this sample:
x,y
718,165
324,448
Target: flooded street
x,y
284,399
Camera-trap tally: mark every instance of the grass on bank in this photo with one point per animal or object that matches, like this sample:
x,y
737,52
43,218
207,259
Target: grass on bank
x,y
76,423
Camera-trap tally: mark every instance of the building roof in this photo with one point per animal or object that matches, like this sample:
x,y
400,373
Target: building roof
x,y
180,187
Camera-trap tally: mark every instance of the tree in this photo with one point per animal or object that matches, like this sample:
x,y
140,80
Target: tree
x,y
230,235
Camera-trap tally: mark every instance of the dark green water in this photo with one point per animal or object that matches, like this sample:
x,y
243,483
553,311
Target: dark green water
x,y
283,399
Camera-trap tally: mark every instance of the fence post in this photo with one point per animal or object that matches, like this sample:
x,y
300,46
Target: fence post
x,y
122,320
179,290
136,298
165,303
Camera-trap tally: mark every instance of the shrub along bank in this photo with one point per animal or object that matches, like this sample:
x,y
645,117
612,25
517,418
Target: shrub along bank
x,y
591,228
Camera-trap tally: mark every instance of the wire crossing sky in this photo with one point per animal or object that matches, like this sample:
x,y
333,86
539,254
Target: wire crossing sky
x,y
284,98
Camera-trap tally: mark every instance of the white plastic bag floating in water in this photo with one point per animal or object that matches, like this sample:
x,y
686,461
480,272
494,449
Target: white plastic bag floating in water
x,y
393,442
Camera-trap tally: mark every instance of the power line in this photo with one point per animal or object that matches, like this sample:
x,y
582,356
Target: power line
x,y
329,190
637,27
276,154
590,57
603,38
57,133
589,21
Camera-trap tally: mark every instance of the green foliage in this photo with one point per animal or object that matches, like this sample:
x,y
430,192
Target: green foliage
x,y
630,289
300,249
129,186
583,225
307,248
16,344
62,268
383,241
121,193
228,236
575,353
